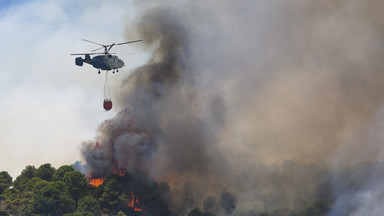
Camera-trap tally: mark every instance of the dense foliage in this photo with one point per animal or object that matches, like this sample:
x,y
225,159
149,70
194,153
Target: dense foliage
x,y
50,192
65,191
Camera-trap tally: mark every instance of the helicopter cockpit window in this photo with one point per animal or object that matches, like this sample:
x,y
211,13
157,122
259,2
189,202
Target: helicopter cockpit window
x,y
109,56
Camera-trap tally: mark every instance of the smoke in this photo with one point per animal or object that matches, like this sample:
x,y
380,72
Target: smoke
x,y
253,105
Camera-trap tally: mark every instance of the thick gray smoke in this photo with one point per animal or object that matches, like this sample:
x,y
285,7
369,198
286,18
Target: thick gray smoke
x,y
249,106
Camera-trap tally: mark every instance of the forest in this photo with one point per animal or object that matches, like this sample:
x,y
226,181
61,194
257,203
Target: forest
x,y
65,191
287,192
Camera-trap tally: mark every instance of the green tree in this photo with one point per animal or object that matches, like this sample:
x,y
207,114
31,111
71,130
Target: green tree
x,y
27,174
59,173
76,184
19,202
35,184
89,204
110,197
45,172
88,213
53,199
5,181
121,213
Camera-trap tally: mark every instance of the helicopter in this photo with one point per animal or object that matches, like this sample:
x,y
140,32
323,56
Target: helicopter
x,y
102,61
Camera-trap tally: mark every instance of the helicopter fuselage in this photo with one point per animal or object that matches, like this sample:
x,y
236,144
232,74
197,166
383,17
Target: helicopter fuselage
x,y
106,61
102,62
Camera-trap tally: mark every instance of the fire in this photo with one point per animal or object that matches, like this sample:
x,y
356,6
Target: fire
x,y
134,203
96,182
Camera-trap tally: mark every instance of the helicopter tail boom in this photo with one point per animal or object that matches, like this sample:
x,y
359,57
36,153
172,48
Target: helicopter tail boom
x,y
80,61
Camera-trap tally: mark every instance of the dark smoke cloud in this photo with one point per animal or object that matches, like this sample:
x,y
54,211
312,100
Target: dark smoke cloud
x,y
210,204
228,202
266,100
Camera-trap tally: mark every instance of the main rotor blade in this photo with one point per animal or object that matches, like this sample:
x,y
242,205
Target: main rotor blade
x,y
110,47
93,42
97,49
90,53
86,53
128,42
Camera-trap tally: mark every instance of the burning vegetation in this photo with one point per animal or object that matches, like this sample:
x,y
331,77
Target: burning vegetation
x,y
50,191
96,182
47,191
129,191
133,200
245,108
134,203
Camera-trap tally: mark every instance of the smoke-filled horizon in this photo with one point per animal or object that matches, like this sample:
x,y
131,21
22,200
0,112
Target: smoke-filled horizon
x,y
237,95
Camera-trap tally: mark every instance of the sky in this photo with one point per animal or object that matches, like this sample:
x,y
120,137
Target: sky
x,y
49,106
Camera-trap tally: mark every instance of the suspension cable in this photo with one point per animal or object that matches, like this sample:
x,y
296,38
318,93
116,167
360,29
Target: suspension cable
x,y
105,84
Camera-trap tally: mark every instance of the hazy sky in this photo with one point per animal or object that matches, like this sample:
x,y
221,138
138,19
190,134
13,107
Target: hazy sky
x,y
49,106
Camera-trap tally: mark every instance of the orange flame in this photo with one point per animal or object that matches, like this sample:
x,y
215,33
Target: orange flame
x,y
134,203
96,182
